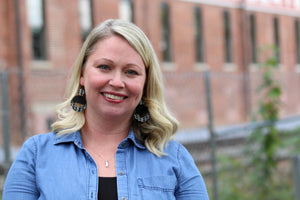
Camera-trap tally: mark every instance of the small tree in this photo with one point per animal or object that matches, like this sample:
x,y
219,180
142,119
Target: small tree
x,y
265,138
254,175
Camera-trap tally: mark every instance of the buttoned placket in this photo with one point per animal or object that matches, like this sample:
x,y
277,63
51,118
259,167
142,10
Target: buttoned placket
x,y
92,177
92,182
122,171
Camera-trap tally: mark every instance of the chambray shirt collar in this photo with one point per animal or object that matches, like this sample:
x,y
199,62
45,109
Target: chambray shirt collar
x,y
70,137
136,142
76,138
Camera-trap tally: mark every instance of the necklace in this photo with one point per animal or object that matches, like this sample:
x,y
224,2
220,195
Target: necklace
x,y
106,161
100,156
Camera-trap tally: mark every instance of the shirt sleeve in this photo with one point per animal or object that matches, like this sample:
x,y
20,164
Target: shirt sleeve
x,y
20,182
190,182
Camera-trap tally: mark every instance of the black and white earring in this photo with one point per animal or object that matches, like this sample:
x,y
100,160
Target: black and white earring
x,y
141,113
78,102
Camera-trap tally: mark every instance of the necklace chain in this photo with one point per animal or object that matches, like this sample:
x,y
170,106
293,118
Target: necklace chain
x,y
100,156
106,161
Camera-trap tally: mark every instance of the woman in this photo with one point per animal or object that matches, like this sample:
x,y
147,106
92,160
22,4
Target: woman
x,y
116,141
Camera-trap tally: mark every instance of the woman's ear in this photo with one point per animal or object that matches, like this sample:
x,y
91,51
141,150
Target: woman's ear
x,y
81,80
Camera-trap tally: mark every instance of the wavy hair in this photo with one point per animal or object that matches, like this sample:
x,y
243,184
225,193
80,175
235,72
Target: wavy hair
x,y
160,128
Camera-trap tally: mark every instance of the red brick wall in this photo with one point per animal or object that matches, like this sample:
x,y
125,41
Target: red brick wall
x,y
9,62
105,10
45,82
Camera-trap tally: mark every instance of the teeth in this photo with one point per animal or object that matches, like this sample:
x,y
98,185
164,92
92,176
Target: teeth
x,y
111,96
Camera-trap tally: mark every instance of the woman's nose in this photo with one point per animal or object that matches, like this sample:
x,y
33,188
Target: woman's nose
x,y
117,80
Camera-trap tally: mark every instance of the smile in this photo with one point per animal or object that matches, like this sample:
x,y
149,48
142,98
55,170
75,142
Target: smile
x,y
114,97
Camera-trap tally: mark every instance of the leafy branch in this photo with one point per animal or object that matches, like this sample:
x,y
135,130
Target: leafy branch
x,y
266,139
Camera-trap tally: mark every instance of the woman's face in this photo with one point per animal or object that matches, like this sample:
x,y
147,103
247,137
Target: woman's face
x,y
114,77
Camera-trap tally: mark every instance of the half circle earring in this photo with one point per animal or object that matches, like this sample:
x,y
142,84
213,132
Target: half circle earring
x,y
141,113
78,103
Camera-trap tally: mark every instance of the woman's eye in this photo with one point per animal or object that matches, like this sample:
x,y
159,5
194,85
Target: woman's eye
x,y
132,72
103,67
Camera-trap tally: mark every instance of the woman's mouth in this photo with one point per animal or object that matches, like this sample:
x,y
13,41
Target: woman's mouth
x,y
114,97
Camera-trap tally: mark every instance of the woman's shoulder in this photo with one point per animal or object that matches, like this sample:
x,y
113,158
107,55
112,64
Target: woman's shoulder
x,y
173,145
48,139
41,138
175,148
53,138
46,144
35,141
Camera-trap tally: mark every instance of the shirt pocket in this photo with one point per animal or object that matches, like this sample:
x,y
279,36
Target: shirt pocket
x,y
157,187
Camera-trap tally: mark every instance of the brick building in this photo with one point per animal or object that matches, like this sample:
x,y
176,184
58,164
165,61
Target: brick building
x,y
42,38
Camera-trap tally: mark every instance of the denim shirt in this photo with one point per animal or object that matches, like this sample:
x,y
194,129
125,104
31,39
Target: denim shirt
x,y
59,167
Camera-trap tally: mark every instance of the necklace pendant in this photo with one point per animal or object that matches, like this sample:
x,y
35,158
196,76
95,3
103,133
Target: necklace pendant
x,y
106,164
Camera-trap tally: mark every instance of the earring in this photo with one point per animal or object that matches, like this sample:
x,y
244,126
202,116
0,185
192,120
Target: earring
x,y
78,102
141,113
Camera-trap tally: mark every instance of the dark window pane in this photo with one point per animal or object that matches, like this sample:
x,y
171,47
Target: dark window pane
x,y
227,31
276,38
36,21
166,44
253,38
199,35
297,33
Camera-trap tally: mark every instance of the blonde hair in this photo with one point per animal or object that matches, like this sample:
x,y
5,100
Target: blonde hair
x,y
159,129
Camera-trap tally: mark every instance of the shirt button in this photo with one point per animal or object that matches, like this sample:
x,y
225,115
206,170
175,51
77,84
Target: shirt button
x,y
121,173
123,198
124,144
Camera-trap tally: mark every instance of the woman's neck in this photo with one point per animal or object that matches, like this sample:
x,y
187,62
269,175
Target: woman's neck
x,y
104,132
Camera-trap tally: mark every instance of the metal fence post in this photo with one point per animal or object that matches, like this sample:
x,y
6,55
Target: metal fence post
x,y
5,119
212,134
296,176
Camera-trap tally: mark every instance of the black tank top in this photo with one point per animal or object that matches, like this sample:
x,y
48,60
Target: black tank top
x,y
107,188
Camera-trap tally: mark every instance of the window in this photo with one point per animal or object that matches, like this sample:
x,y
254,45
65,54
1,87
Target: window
x,y
166,45
297,34
276,39
86,19
199,35
126,10
36,21
227,32
253,38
